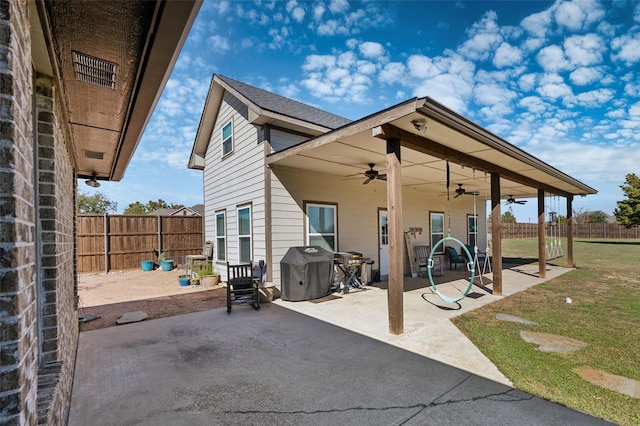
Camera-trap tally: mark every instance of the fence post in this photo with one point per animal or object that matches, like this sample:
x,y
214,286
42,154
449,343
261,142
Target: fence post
x,y
106,243
159,235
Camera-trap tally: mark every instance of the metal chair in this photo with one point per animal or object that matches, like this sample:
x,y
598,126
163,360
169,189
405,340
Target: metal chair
x,y
242,288
455,257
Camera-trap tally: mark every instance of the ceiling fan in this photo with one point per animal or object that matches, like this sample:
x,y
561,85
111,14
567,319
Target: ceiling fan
x,y
512,200
461,191
371,174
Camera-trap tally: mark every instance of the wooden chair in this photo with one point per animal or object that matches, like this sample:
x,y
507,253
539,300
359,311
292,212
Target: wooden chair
x,y
242,288
422,259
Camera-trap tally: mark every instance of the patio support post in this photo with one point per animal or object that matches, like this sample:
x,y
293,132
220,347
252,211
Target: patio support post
x,y
496,234
570,219
542,242
396,236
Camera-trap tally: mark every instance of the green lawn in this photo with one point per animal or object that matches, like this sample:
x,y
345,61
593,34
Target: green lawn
x,y
605,313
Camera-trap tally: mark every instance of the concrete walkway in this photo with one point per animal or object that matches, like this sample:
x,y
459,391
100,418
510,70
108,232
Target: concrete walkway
x,y
283,367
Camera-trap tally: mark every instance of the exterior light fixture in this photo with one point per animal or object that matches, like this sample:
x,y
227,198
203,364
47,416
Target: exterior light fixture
x,y
93,182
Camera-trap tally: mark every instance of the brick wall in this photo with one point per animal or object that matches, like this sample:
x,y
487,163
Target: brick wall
x,y
18,310
38,282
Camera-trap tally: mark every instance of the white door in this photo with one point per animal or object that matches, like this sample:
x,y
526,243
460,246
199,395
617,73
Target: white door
x,y
383,242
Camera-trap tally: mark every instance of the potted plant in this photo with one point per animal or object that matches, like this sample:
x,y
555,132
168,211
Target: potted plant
x,y
166,265
207,274
146,265
184,280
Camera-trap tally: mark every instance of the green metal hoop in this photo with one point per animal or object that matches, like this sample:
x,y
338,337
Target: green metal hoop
x,y
470,267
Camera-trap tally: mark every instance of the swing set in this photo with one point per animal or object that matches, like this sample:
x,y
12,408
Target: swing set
x,y
471,265
553,243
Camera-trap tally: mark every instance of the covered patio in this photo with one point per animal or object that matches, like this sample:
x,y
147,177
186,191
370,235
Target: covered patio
x,y
426,148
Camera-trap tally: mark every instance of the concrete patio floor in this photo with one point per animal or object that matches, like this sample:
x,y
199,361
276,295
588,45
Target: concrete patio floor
x,y
306,363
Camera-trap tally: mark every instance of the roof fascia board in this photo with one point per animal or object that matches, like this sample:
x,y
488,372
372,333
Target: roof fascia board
x,y
353,128
207,122
166,38
435,111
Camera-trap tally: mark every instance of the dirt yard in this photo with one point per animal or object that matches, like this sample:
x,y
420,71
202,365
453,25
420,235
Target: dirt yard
x,y
157,292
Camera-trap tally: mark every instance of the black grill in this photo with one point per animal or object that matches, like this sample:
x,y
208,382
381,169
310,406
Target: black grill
x,y
306,273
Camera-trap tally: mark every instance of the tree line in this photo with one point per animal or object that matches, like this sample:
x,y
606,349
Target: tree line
x,y
98,203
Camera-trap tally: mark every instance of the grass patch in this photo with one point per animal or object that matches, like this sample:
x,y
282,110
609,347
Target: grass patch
x,y
605,313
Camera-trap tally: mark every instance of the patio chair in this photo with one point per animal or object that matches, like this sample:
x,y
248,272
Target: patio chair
x,y
422,259
242,288
455,258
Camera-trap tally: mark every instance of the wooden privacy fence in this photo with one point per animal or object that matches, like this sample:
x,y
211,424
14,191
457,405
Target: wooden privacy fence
x,y
581,230
118,242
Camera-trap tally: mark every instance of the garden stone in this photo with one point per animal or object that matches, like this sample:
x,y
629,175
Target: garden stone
x,y
129,317
512,318
552,342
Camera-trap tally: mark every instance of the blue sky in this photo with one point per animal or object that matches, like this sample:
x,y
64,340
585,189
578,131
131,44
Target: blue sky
x,y
561,80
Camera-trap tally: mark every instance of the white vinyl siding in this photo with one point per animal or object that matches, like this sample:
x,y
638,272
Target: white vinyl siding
x,y
234,181
281,140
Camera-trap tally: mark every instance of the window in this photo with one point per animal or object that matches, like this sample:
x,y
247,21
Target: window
x,y
472,230
244,234
227,138
221,237
436,221
321,226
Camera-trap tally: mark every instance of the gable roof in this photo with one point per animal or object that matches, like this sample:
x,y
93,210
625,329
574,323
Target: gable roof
x,y
279,104
264,108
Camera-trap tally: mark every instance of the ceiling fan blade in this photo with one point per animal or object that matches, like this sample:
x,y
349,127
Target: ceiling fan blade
x,y
355,174
521,202
458,194
382,177
366,181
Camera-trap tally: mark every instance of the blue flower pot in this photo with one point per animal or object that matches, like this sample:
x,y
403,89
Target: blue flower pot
x,y
166,265
184,281
147,265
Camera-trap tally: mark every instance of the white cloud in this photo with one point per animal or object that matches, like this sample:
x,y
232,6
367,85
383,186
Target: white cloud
x,y
219,43
447,79
392,72
318,12
552,59
584,50
585,75
338,6
552,86
533,104
492,94
578,14
594,98
484,38
371,49
627,48
527,82
506,55
538,24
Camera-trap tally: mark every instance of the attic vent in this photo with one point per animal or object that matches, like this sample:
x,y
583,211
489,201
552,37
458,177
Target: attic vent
x,y
94,71
94,154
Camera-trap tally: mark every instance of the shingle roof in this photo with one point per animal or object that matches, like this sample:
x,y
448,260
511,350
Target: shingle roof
x,y
285,106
